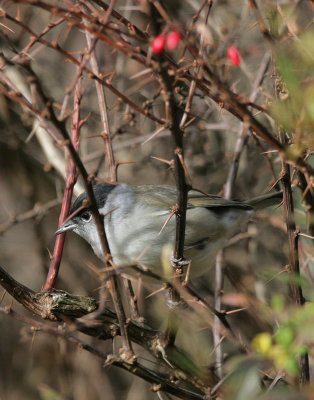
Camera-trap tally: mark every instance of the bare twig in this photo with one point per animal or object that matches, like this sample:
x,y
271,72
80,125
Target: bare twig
x,y
111,163
37,211
295,289
243,134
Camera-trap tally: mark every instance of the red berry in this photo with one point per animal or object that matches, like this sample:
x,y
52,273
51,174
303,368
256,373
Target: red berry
x,y
158,44
173,40
233,55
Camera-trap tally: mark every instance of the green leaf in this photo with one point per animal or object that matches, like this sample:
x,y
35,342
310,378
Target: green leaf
x,y
285,336
292,366
277,302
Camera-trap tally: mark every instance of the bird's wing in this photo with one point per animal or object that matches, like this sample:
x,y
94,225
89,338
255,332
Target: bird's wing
x,y
165,197
196,199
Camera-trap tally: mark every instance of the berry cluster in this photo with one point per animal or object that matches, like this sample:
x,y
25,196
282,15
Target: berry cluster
x,y
171,41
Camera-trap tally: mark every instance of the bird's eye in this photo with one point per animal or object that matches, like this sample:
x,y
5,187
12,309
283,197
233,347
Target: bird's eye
x,y
86,216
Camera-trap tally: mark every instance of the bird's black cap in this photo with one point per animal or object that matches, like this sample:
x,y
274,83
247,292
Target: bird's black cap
x,y
101,191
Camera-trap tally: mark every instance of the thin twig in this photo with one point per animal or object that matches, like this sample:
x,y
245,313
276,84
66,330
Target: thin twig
x,y
38,211
295,289
242,138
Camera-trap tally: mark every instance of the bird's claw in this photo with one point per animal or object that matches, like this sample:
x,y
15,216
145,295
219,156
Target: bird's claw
x,y
179,263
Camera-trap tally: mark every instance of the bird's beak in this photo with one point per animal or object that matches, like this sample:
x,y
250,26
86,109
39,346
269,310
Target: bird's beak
x,y
68,226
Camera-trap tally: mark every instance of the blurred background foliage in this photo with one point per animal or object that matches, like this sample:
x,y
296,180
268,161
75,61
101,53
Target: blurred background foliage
x,y
35,365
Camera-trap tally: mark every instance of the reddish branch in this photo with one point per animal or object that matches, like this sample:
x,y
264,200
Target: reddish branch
x,y
59,133
68,192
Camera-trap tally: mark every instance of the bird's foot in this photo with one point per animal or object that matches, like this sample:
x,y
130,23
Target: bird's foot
x,y
179,263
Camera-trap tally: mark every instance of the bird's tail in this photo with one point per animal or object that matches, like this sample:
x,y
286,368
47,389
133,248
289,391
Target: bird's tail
x,y
266,200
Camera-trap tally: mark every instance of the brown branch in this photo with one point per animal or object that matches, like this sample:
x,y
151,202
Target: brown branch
x,y
160,381
265,32
120,18
103,110
229,100
37,211
111,163
107,83
242,138
173,122
82,313
295,289
197,66
173,117
308,200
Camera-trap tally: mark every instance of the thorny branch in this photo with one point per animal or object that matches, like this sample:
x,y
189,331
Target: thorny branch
x,y
196,73
296,292
57,132
82,313
68,191
242,138
38,211
160,382
213,88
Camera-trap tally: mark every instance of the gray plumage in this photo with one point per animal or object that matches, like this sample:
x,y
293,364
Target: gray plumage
x,y
134,227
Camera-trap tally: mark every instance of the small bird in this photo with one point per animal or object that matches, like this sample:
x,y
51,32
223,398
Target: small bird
x,y
137,224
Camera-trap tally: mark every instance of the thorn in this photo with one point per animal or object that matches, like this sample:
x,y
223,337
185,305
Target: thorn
x,y
161,129
6,27
178,152
94,136
111,77
305,235
49,253
84,205
189,123
202,192
236,311
33,131
125,162
308,188
162,160
3,296
187,275
109,212
275,183
18,14
55,43
141,73
143,252
174,209
155,292
94,269
82,122
221,107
